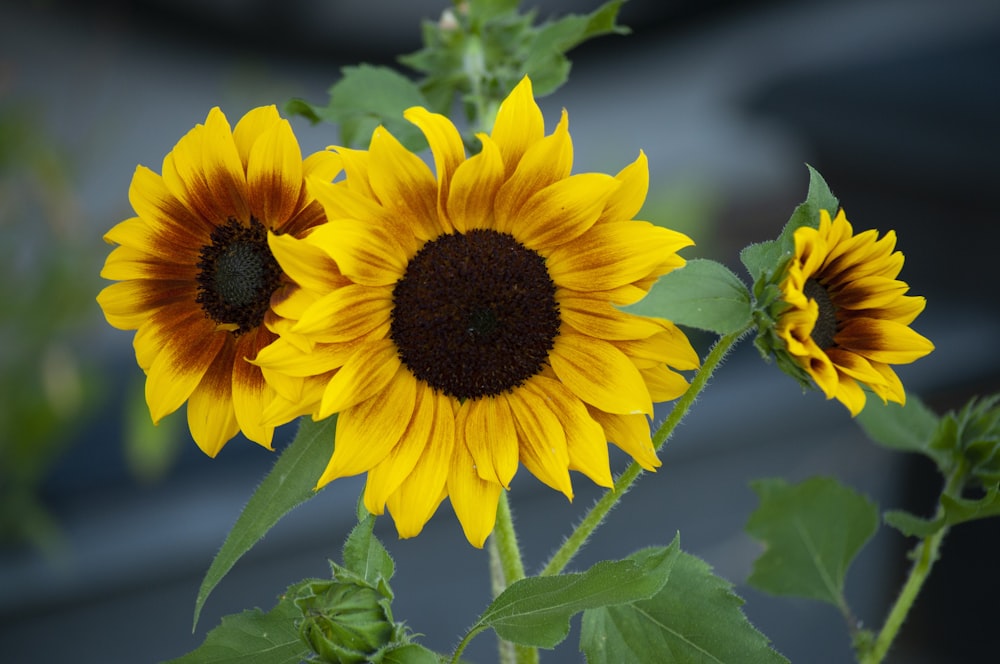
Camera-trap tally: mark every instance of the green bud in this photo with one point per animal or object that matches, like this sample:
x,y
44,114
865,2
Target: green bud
x,y
344,622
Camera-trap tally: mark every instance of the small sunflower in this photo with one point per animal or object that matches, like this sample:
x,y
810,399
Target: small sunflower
x,y
477,330
848,316
196,277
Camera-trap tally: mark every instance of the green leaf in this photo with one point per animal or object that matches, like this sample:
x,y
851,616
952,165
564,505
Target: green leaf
x,y
908,428
764,260
411,653
290,483
536,611
545,62
702,294
811,531
365,97
254,637
694,618
365,555
954,511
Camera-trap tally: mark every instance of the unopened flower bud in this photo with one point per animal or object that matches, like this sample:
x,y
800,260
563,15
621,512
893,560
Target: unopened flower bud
x,y
343,622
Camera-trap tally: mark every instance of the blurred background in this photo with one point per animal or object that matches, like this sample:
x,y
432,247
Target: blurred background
x,y
108,524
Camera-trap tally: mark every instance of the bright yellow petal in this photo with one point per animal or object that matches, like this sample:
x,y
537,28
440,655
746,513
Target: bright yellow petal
x,y
368,430
560,212
125,263
664,384
625,202
585,441
851,395
491,438
210,413
274,176
417,498
600,374
544,163
168,228
474,187
386,476
542,439
367,254
346,313
190,348
252,126
599,319
363,376
308,265
519,124
405,185
251,393
473,498
612,254
127,305
882,340
446,146
631,434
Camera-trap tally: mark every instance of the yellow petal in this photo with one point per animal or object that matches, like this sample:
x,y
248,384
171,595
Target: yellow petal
x,y
367,431
544,163
473,498
210,413
274,175
129,304
251,393
308,265
625,202
611,255
851,395
446,146
560,212
418,497
585,441
166,227
597,318
346,313
127,263
600,374
385,477
190,347
882,340
519,124
367,254
489,433
404,184
631,434
664,384
474,188
255,123
542,439
363,376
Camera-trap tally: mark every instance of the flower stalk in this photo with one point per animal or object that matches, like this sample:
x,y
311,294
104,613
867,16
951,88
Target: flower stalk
x,y
595,517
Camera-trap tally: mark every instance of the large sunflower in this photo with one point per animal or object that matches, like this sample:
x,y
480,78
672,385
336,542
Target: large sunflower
x,y
196,276
477,329
848,316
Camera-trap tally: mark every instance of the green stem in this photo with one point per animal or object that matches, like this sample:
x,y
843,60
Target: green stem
x,y
924,557
506,567
557,563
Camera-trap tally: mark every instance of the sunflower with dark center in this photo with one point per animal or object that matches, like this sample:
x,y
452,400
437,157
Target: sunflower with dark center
x,y
848,315
196,276
479,330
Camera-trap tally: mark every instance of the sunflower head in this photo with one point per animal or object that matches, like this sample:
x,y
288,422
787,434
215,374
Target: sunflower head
x,y
839,317
195,276
463,321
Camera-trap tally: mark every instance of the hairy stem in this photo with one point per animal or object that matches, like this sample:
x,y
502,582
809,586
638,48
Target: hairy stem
x,y
557,563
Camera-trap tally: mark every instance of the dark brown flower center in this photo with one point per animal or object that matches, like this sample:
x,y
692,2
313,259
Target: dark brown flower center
x,y
237,275
475,314
826,322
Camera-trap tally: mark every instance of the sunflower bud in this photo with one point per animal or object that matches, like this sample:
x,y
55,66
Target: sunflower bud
x,y
343,621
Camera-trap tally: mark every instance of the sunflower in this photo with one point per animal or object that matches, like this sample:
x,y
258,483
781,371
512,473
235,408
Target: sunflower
x,y
848,316
195,276
478,327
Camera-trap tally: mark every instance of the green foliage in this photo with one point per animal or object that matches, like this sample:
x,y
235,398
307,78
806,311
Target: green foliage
x,y
536,611
954,510
908,428
812,531
254,637
695,617
476,53
365,97
702,294
767,261
290,483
